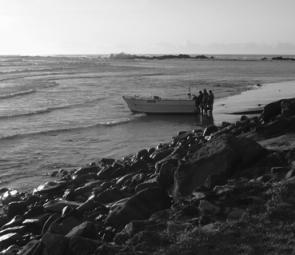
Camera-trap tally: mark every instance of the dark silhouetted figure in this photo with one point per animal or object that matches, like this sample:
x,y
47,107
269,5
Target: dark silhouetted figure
x,y
205,101
210,101
200,102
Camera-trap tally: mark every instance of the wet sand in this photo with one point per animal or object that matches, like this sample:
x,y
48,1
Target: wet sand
x,y
251,101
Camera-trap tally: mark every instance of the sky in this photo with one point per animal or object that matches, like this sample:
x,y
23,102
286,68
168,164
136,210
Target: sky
x,y
45,27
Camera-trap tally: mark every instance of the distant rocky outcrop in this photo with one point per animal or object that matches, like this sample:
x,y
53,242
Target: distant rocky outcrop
x,y
158,57
283,58
227,189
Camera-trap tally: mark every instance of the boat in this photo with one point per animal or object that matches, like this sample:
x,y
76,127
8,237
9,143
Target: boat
x,y
158,105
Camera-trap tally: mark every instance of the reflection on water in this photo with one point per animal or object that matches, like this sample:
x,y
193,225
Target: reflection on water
x,y
206,120
191,120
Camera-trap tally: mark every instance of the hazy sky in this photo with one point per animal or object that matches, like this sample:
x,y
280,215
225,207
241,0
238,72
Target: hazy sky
x,y
147,26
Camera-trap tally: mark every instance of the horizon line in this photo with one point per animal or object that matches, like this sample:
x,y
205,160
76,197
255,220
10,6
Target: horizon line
x,y
144,54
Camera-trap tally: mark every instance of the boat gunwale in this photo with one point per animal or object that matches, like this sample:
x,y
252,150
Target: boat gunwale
x,y
156,99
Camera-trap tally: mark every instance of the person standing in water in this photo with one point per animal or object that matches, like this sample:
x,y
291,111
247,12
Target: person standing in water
x,y
205,101
210,101
200,101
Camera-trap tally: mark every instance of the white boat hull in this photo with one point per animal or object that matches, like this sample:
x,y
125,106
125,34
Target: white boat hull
x,y
160,105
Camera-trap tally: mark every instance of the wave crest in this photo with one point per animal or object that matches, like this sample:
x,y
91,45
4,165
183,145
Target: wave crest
x,y
51,109
19,93
62,130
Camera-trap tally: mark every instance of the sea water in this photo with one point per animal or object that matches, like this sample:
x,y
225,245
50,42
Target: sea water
x,y
66,111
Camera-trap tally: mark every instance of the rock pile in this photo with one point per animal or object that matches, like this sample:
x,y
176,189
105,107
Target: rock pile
x,y
213,191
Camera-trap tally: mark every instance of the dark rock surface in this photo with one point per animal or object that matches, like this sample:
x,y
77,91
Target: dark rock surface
x,y
203,192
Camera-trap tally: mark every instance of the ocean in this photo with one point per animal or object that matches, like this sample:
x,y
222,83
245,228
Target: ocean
x,y
66,111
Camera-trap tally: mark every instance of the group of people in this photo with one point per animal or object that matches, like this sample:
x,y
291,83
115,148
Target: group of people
x,y
204,101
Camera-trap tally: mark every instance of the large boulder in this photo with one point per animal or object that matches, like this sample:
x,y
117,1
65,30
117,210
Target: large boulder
x,y
166,173
110,195
54,244
81,246
86,229
221,156
16,208
271,110
113,171
140,206
285,107
279,126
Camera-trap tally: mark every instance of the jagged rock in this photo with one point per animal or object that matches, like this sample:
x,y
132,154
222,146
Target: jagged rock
x,y
142,154
15,229
137,178
11,250
87,170
290,174
210,228
124,180
35,225
166,173
107,249
54,244
280,170
107,161
86,229
130,229
3,220
288,107
277,127
50,188
62,226
227,152
121,238
57,205
110,195
148,240
15,221
160,216
16,208
34,210
10,196
140,165
236,214
215,179
114,171
91,204
82,246
140,206
152,183
207,208
87,187
174,228
33,247
271,110
160,154
210,130
8,239
284,106
82,179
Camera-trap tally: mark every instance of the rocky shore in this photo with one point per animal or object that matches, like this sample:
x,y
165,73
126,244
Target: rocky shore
x,y
223,190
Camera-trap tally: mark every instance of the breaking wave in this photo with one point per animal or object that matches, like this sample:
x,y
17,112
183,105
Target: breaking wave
x,y
51,109
69,129
19,93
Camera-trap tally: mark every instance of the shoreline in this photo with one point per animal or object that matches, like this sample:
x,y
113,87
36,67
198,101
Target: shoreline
x,y
219,117
152,197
